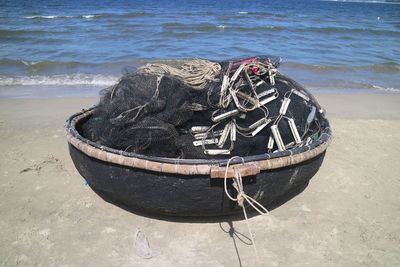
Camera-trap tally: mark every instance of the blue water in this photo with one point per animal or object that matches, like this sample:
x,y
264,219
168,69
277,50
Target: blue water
x,y
329,45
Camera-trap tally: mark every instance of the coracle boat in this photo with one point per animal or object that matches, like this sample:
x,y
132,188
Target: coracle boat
x,y
193,187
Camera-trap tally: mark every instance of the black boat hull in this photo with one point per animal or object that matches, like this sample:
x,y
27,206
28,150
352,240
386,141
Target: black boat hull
x,y
186,195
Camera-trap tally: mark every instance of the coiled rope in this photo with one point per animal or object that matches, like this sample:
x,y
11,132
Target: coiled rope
x,y
241,198
197,73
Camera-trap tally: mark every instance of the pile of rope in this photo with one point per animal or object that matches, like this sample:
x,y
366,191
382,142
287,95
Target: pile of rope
x,y
196,73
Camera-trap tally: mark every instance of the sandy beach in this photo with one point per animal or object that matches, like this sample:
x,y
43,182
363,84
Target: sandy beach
x,y
347,216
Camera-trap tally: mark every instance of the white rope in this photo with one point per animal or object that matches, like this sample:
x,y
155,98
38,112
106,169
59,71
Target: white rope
x,y
196,73
241,197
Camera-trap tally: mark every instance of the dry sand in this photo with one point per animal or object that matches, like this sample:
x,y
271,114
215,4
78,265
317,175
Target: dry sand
x,y
349,215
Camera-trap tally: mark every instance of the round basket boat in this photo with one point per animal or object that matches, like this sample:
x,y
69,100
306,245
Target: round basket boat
x,y
189,187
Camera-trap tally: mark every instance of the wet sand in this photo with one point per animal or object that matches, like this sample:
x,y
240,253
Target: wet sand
x,y
349,215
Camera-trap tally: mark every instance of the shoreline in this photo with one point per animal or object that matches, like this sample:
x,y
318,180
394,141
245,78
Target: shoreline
x,y
85,91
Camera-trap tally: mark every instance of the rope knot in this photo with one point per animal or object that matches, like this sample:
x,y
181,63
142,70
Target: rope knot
x,y
241,196
240,199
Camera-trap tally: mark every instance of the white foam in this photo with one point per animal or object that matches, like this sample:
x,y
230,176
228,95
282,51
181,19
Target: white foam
x,y
88,16
243,12
31,63
60,17
62,79
386,89
46,17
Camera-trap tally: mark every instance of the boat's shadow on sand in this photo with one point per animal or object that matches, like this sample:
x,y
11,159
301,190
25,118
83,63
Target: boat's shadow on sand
x,y
208,219
223,221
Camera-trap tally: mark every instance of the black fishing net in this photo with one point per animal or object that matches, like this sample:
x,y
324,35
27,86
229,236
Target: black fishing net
x,y
154,114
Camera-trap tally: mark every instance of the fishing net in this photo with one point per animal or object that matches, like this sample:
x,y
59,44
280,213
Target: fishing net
x,y
204,109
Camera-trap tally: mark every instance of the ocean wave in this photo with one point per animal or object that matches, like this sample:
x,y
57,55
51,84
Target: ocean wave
x,y
386,89
394,2
46,67
43,66
47,17
206,27
75,79
352,85
314,67
387,67
263,14
89,16
384,67
99,80
330,30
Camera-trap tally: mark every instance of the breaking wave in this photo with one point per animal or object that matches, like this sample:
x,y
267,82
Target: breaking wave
x,y
60,80
387,67
89,16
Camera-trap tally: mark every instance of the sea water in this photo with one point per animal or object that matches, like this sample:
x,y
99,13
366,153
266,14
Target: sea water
x,y
74,48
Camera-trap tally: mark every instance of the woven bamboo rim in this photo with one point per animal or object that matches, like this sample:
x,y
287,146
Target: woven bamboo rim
x,y
213,170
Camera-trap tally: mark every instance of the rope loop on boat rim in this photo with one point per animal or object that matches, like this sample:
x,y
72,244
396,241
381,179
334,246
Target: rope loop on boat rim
x,y
241,198
238,185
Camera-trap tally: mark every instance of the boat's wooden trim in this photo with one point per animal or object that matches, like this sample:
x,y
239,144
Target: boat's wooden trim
x,y
214,171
